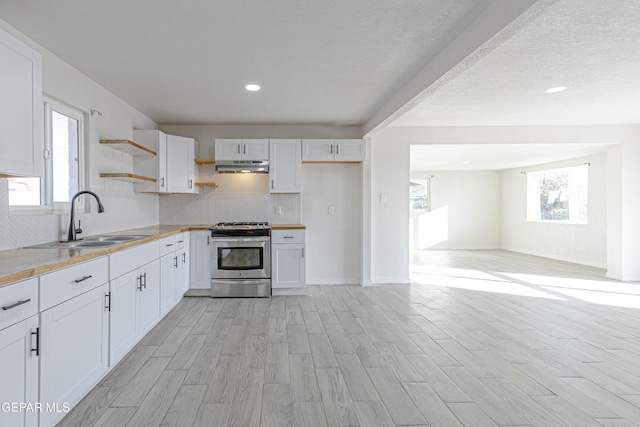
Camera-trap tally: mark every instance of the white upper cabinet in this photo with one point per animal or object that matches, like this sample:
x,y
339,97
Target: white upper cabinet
x,y
173,167
21,111
285,166
242,149
333,150
180,164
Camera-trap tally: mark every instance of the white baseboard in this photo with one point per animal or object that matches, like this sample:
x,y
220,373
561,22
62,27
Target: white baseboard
x,y
288,291
314,282
394,280
558,258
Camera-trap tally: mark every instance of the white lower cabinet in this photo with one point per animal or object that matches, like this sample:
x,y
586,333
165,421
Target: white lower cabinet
x,y
200,260
169,282
134,308
74,347
19,365
184,261
288,265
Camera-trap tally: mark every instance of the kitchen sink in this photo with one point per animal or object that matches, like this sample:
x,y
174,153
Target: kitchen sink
x,y
115,238
78,244
90,243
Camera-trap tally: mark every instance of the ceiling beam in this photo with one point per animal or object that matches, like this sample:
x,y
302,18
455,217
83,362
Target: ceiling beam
x,y
498,22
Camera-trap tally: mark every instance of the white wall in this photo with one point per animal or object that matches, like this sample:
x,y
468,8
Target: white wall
x,y
465,212
579,243
123,208
333,241
389,164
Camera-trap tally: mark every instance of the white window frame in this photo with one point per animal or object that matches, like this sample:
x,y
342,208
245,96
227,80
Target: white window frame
x,y
533,198
47,205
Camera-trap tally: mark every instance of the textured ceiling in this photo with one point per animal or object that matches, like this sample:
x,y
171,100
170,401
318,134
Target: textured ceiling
x,y
495,156
329,61
591,46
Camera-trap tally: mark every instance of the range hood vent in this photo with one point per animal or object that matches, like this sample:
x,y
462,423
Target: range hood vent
x,y
242,166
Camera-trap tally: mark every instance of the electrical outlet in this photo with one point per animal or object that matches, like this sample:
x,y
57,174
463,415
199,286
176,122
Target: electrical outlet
x,y
383,197
278,210
332,210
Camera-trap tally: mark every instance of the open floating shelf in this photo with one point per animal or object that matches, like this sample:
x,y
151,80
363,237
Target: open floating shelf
x,y
205,161
128,147
206,184
129,177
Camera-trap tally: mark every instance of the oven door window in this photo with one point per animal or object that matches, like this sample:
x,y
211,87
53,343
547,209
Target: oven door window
x,y
239,258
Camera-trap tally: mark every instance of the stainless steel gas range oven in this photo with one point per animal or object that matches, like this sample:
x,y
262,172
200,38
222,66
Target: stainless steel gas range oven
x,y
241,259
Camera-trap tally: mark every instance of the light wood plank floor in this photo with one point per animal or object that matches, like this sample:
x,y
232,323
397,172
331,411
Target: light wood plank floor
x,y
480,338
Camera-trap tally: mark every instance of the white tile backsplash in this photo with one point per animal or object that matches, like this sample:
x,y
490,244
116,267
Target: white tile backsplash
x,y
123,210
210,208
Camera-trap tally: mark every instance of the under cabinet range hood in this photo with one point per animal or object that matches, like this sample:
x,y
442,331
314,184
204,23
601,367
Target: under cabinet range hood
x,y
242,166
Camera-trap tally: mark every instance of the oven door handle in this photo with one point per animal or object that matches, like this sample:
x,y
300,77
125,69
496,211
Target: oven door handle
x,y
240,239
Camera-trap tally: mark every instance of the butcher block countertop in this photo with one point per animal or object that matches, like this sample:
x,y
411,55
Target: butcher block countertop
x,y
21,264
288,227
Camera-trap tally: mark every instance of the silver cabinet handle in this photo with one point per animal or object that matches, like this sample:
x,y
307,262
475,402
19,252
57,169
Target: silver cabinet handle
x,y
170,244
175,262
190,183
208,240
337,148
162,182
83,279
331,148
272,184
287,237
244,149
17,304
139,283
107,297
184,257
302,252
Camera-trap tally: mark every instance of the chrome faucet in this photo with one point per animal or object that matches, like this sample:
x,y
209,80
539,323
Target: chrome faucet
x,y
72,227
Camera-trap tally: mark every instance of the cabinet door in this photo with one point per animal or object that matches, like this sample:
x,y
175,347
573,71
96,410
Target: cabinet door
x,y
74,350
228,149
21,125
148,298
288,264
122,318
255,149
178,180
285,165
168,276
19,371
200,260
185,260
349,150
317,150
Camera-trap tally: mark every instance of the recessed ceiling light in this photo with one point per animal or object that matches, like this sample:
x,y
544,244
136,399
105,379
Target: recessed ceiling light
x,y
466,162
556,89
252,87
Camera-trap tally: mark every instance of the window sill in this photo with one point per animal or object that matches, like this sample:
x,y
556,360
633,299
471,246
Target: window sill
x,y
562,222
39,210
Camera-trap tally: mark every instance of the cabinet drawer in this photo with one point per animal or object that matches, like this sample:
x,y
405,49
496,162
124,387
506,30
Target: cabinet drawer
x,y
178,239
167,245
18,301
287,236
128,260
64,284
